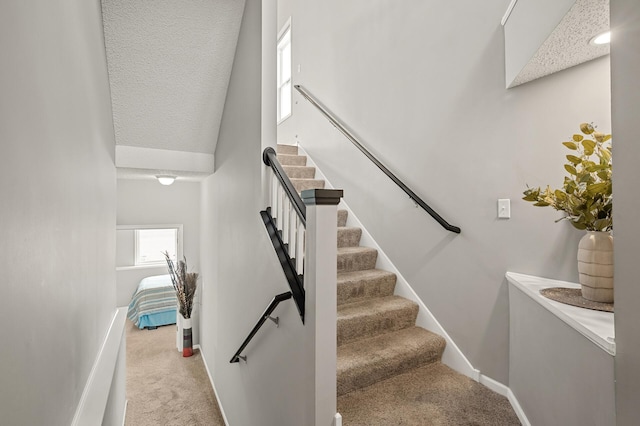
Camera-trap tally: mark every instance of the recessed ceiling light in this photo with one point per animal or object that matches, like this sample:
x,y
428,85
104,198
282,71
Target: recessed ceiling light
x,y
166,180
603,38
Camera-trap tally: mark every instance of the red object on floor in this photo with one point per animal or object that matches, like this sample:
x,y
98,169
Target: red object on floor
x,y
186,352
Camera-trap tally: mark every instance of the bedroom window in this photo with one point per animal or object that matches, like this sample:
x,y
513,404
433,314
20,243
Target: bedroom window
x,y
284,72
150,244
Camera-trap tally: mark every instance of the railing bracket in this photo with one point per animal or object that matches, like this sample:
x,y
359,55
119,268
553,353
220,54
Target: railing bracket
x,y
244,358
275,320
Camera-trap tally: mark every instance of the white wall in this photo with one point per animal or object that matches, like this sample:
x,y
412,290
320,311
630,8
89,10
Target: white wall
x,y
625,68
240,270
58,190
146,202
422,84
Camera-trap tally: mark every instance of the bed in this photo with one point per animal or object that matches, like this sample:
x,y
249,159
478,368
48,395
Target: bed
x,y
154,303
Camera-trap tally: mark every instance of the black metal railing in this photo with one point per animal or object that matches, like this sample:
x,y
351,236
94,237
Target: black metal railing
x,y
266,315
342,129
295,280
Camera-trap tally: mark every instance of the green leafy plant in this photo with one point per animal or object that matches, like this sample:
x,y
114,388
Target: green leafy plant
x,y
586,195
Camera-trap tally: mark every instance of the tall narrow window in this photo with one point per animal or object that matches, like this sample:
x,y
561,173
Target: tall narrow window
x,y
284,72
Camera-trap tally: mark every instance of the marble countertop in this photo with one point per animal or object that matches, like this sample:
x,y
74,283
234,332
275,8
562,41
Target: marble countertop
x,y
596,326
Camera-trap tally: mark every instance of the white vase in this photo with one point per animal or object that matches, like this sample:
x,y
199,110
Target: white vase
x,y
181,324
595,266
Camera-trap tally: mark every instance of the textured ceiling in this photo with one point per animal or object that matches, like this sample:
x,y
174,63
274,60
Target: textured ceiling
x,y
568,44
169,65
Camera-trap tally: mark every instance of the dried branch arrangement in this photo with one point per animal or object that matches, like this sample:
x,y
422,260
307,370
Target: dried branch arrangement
x,y
184,283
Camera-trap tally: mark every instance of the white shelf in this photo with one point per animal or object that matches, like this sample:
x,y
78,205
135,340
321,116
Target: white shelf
x,y
596,326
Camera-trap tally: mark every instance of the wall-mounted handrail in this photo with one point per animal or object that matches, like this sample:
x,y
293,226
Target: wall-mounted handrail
x,y
266,315
269,157
342,129
288,266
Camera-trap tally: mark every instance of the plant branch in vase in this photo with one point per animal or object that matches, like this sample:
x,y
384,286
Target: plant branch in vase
x,y
586,198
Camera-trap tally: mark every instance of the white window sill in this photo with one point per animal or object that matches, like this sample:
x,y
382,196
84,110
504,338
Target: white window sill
x,y
134,267
596,326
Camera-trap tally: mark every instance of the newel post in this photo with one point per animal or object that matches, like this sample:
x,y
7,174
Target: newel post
x,y
321,300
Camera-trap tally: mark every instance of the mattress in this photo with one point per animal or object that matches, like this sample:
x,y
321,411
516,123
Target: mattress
x,y
154,302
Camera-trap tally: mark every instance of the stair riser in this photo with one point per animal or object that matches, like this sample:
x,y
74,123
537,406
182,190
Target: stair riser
x,y
292,160
355,291
302,184
357,261
349,237
287,149
342,217
300,172
351,329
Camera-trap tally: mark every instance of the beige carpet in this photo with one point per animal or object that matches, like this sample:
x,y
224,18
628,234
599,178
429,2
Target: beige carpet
x,y
432,395
163,388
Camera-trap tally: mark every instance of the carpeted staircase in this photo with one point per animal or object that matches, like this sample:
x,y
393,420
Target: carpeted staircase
x,y
389,370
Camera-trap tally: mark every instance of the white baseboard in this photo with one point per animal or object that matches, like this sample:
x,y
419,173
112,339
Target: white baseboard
x,y
124,417
215,391
506,391
518,409
337,420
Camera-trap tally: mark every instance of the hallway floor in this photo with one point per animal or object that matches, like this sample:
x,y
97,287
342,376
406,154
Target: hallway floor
x,y
163,388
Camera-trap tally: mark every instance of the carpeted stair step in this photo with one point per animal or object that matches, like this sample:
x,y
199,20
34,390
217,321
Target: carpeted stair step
x,y
302,184
348,237
356,258
342,217
432,394
368,361
354,286
292,160
372,317
287,149
300,172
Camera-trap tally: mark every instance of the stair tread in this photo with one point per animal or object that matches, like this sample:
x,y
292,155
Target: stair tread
x,y
342,217
357,249
367,361
370,317
433,391
367,274
374,306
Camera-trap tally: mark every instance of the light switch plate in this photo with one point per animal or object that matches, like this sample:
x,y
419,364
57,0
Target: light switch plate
x,y
504,208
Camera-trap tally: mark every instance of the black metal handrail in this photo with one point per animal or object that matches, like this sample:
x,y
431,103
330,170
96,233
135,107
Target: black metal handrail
x,y
269,157
342,129
294,280
267,314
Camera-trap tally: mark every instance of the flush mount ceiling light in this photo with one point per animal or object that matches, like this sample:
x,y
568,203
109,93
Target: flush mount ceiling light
x,y
165,179
603,38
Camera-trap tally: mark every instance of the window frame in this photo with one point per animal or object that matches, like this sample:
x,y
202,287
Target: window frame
x,y
136,228
284,39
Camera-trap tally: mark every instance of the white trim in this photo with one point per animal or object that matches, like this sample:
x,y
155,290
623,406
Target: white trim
x,y
597,326
503,390
508,12
337,420
90,410
124,417
180,244
163,159
215,391
453,356
284,29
